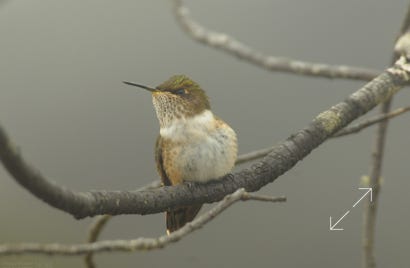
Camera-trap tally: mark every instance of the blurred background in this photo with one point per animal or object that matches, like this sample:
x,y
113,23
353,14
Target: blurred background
x,y
62,101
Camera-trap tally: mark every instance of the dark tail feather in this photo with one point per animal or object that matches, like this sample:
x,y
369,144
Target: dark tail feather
x,y
179,217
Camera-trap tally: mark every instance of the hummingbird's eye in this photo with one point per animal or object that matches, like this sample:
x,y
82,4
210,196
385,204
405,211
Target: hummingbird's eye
x,y
180,91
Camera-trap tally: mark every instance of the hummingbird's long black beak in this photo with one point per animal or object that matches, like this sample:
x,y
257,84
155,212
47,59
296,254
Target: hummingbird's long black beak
x,y
141,86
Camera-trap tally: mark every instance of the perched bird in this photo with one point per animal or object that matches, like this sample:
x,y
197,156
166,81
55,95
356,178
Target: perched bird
x,y
193,144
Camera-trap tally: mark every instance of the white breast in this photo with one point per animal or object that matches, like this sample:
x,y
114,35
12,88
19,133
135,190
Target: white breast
x,y
188,128
206,148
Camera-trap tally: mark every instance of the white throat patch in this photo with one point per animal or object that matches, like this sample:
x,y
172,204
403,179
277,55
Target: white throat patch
x,y
188,128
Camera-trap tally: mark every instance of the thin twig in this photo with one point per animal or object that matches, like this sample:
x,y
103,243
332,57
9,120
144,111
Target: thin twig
x,y
139,243
233,47
370,208
96,227
253,155
93,234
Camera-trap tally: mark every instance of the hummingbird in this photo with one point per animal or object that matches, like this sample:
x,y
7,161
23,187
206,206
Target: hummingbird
x,y
193,144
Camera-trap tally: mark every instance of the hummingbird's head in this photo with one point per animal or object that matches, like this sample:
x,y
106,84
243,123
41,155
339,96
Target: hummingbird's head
x,y
178,97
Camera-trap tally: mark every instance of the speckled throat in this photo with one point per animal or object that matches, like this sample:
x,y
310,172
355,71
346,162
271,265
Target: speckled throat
x,y
169,107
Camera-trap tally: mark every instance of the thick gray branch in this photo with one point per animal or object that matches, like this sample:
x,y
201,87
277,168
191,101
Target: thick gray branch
x,y
282,158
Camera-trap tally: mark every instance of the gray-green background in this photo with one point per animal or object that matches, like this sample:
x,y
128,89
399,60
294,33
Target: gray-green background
x,y
61,99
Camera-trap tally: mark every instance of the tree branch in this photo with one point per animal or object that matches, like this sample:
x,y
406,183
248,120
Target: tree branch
x,y
233,47
282,158
343,132
101,221
371,121
139,243
370,208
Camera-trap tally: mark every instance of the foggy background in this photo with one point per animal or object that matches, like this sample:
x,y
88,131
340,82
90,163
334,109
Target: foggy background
x,y
63,103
